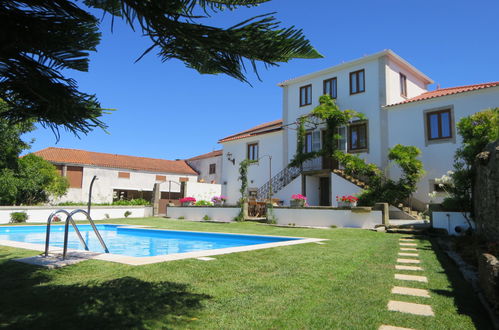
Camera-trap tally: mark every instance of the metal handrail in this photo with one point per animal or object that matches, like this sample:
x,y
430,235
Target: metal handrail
x,y
68,217
93,227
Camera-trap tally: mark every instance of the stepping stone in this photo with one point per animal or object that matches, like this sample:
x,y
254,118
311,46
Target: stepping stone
x,y
404,267
320,243
408,249
407,239
410,291
408,244
408,254
408,261
206,258
416,278
391,327
410,308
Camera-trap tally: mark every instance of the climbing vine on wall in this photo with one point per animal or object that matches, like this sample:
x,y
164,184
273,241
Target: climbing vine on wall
x,y
243,177
330,114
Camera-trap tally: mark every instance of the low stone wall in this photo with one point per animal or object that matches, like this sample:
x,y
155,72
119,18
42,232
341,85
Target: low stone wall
x,y
488,271
41,213
327,217
197,213
449,221
486,192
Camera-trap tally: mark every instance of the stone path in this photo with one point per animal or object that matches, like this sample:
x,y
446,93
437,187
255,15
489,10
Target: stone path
x,y
408,261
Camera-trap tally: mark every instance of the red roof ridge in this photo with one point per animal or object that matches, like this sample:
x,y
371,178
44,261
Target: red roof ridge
x,y
210,154
84,157
255,130
447,91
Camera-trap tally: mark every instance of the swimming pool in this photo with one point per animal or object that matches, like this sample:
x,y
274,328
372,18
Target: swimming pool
x,y
138,242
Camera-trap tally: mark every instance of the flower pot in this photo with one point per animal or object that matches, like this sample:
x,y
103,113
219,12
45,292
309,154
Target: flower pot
x,y
347,204
187,203
221,203
297,203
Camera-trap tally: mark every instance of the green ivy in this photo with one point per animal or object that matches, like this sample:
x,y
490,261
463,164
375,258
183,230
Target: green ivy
x,y
243,177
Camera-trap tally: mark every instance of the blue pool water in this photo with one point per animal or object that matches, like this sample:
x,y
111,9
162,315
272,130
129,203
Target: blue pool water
x,y
135,242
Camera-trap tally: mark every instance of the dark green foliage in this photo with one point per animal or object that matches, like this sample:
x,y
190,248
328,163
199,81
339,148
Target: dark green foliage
x,y
11,144
18,217
327,112
137,202
127,214
43,38
380,188
33,182
476,131
243,177
206,217
203,203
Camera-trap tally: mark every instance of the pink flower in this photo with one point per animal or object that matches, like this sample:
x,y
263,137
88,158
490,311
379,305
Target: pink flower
x,y
298,197
187,200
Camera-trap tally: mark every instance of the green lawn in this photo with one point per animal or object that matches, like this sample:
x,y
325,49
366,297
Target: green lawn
x,y
343,284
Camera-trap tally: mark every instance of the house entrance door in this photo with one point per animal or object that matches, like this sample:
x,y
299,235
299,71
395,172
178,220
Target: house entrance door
x,y
324,184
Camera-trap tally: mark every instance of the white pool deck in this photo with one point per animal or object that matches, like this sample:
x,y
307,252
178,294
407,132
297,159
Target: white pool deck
x,y
81,255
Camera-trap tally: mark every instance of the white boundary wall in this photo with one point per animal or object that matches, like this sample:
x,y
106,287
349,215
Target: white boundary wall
x,y
202,191
41,213
449,221
301,217
327,218
197,213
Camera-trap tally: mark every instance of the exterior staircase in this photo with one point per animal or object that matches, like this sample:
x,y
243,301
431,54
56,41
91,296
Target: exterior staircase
x,y
278,181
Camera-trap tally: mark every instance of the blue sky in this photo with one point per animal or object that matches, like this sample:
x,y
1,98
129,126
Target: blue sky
x,y
165,110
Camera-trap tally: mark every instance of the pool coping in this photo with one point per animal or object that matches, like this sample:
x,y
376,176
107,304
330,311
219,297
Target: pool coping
x,y
138,261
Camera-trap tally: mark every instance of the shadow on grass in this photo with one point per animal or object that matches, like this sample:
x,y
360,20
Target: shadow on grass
x,y
465,300
30,301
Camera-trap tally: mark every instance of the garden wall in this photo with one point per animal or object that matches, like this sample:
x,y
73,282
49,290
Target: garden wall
x,y
197,213
486,192
449,221
310,216
41,213
327,217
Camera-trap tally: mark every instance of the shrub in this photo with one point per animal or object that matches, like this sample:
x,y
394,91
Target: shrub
x,y
181,217
106,215
206,217
203,203
18,217
127,214
138,201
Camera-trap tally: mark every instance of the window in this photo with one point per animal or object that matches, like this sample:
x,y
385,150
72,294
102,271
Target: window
x,y
312,141
357,82
124,175
439,124
75,176
330,86
213,168
305,95
403,85
357,136
342,142
252,151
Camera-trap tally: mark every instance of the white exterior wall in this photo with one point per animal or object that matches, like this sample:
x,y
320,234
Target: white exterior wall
x,y
327,218
367,102
202,191
258,174
407,127
294,187
341,187
202,166
108,180
41,213
449,221
415,85
197,213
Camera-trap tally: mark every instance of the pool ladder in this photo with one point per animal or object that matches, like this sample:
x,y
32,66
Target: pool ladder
x,y
69,218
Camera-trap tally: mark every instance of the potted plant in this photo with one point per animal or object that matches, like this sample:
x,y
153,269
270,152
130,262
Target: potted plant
x,y
219,200
298,200
347,201
187,201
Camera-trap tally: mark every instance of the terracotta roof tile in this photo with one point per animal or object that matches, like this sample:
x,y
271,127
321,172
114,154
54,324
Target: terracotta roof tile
x,y
447,91
82,157
269,127
207,155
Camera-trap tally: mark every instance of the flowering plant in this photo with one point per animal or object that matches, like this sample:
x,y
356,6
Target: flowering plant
x,y
298,197
56,218
187,200
219,199
347,199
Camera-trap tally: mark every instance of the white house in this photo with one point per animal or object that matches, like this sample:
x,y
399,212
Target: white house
x,y
118,176
392,94
208,166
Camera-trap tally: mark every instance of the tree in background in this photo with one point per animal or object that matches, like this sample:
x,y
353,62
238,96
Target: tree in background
x,y
43,38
